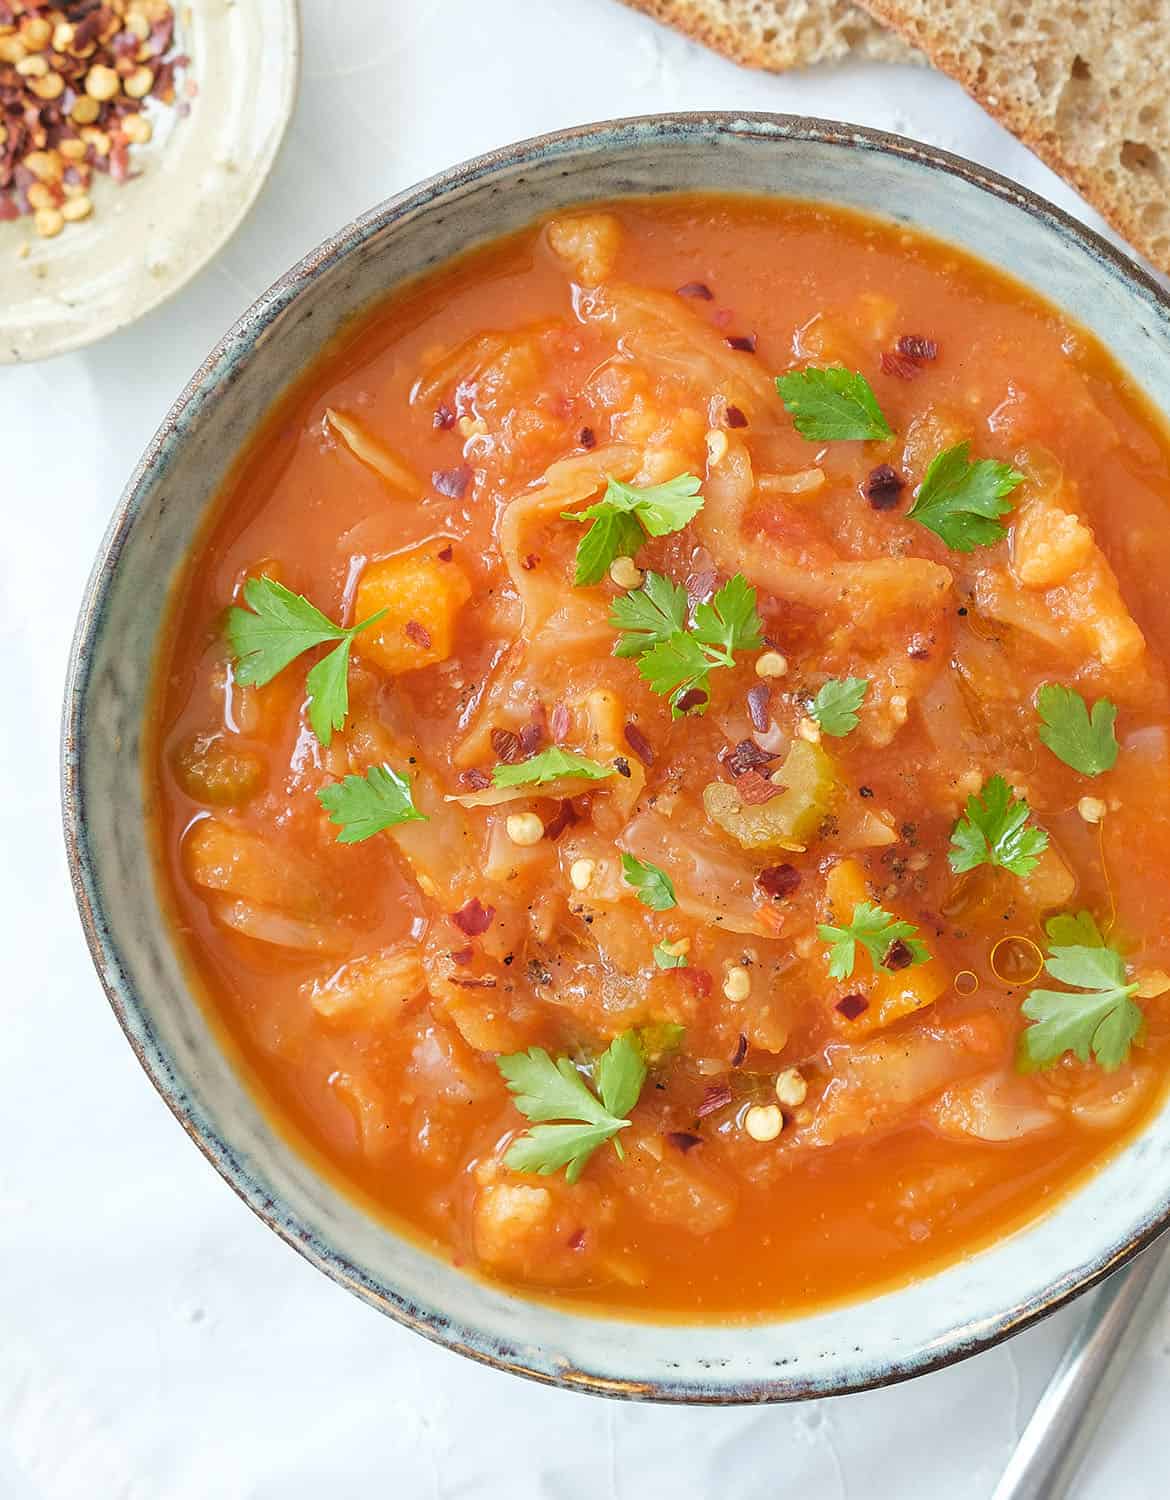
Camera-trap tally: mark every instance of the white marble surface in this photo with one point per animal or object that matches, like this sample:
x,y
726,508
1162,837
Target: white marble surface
x,y
156,1341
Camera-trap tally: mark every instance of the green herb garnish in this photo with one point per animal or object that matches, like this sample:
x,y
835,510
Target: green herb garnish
x,y
364,805
995,831
877,931
835,706
274,630
649,615
1083,740
550,765
626,515
833,405
665,958
1101,1022
545,1091
674,659
1074,930
962,501
653,885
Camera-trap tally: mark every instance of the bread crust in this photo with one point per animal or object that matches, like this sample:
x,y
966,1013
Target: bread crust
x,y
777,35
1081,84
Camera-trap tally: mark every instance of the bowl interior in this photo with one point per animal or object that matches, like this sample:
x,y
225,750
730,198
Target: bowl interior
x,y
899,1333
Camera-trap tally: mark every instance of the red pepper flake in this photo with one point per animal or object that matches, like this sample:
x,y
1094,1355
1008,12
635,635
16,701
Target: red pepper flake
x,y
417,633
531,738
119,160
530,562
639,744
684,1140
754,789
718,1096
899,956
914,346
734,417
692,698
470,982
444,417
744,342
899,365
445,553
463,955
883,485
701,585
779,881
759,702
587,438
452,482
564,817
698,289
559,723
576,1240
506,744
852,1006
699,980
740,1052
622,766
747,756
473,918
476,779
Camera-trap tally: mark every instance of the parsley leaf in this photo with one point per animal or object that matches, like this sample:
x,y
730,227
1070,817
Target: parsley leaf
x,y
1074,931
995,831
274,630
835,706
1083,740
677,666
672,658
649,615
876,930
832,405
962,501
730,622
627,514
653,885
665,958
1101,1021
620,1074
363,805
550,765
546,1091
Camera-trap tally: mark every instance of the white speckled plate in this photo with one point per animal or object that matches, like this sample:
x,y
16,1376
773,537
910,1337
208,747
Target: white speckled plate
x,y
197,179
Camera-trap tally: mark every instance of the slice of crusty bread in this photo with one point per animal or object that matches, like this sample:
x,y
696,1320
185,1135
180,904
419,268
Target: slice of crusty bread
x,y
1084,83
779,34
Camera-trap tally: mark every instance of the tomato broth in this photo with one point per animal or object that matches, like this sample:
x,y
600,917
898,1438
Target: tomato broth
x,y
732,824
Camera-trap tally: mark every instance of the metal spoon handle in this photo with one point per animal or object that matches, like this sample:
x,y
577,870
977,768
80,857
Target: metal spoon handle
x,y
1067,1415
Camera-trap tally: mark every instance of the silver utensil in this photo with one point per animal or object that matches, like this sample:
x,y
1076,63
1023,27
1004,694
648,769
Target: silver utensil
x,y
1059,1432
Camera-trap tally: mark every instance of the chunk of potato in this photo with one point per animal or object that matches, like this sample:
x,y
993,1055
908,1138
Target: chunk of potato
x,y
587,244
421,595
809,777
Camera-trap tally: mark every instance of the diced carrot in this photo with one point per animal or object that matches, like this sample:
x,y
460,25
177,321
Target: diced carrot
x,y
421,595
891,995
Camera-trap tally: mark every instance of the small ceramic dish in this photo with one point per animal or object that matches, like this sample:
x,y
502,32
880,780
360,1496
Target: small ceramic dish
x,y
193,183
913,1328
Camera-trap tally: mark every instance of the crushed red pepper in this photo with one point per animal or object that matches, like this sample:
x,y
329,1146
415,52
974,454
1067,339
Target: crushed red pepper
x,y
75,79
473,918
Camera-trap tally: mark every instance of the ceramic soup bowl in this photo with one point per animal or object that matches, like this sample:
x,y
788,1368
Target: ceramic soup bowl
x,y
916,1327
